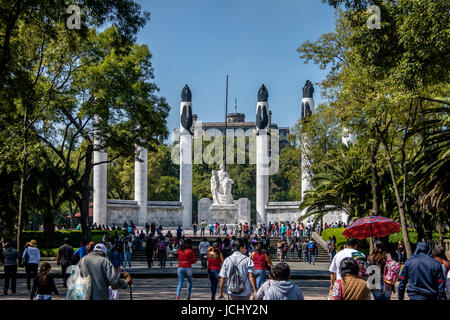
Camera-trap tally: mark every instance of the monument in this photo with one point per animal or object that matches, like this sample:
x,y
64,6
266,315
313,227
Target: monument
x,y
262,154
223,209
186,122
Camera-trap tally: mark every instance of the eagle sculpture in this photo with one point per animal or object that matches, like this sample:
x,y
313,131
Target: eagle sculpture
x,y
186,118
262,117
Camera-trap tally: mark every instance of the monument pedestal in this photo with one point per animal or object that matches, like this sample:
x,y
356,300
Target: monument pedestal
x,y
224,213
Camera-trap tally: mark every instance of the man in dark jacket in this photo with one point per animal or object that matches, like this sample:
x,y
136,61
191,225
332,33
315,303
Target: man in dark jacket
x,y
424,276
11,256
65,253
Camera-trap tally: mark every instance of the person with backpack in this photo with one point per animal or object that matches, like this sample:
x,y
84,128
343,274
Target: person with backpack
x,y
260,258
162,252
423,275
348,252
186,258
43,284
311,249
64,258
116,260
238,272
31,258
215,260
380,258
349,286
97,266
282,288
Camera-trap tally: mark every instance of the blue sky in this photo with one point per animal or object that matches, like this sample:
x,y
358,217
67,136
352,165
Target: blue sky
x,y
199,42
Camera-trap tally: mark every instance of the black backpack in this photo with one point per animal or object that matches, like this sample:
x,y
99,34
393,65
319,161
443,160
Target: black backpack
x,y
235,282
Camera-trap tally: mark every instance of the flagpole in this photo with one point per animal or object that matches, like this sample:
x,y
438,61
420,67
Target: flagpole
x,y
225,131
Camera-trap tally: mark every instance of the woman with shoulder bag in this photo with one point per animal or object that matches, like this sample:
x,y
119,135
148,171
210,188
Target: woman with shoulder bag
x,y
215,260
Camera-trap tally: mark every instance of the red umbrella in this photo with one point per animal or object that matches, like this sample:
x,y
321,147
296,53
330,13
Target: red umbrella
x,y
372,226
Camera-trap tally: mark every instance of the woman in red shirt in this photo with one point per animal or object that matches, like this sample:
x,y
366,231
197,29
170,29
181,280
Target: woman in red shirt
x,y
259,258
215,259
186,257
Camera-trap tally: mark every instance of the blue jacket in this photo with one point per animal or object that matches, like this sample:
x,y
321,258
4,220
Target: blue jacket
x,y
423,274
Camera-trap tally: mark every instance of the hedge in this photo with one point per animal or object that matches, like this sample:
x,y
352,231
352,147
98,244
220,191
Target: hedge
x,y
392,239
57,240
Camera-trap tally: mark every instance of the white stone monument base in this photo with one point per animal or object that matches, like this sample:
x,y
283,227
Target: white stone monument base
x,y
224,213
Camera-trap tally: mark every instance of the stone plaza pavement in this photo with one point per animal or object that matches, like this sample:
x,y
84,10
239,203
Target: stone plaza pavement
x,y
161,284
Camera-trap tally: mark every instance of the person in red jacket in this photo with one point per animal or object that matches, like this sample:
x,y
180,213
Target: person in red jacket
x,y
260,258
215,260
186,258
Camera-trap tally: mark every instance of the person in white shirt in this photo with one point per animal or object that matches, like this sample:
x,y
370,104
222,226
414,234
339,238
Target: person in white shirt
x,y
347,252
245,268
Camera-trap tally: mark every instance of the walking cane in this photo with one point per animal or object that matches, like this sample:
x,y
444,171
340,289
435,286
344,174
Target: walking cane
x,y
131,292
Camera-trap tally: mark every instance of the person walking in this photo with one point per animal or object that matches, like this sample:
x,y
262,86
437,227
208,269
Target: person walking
x,y
102,273
347,252
162,252
64,258
82,250
238,271
282,288
203,226
149,249
31,258
349,286
260,258
279,250
380,257
401,252
179,233
203,249
127,251
215,260
332,250
10,256
186,258
43,284
439,255
305,250
194,228
298,247
424,276
116,260
227,248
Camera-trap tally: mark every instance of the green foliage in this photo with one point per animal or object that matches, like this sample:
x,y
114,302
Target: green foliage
x,y
337,232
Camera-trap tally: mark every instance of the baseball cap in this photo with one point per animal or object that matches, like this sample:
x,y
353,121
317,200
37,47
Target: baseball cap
x,y
100,247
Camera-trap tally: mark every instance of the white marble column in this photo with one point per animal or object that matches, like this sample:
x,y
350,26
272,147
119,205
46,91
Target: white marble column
x,y
262,155
100,182
140,184
186,156
307,109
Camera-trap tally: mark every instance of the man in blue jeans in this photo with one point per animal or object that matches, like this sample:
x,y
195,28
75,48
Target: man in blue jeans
x,y
127,250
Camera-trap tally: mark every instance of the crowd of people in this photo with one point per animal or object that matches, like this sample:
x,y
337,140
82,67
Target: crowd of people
x,y
239,262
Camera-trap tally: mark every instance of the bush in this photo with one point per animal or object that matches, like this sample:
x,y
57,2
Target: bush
x,y
74,237
337,232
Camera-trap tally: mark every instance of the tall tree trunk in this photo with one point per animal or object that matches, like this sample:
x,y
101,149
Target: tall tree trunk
x,y
85,196
22,177
71,215
375,189
400,204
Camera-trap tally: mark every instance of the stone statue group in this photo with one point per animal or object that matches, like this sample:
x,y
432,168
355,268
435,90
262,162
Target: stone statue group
x,y
221,186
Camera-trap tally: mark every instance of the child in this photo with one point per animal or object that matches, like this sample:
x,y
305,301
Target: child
x,y
43,284
116,260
